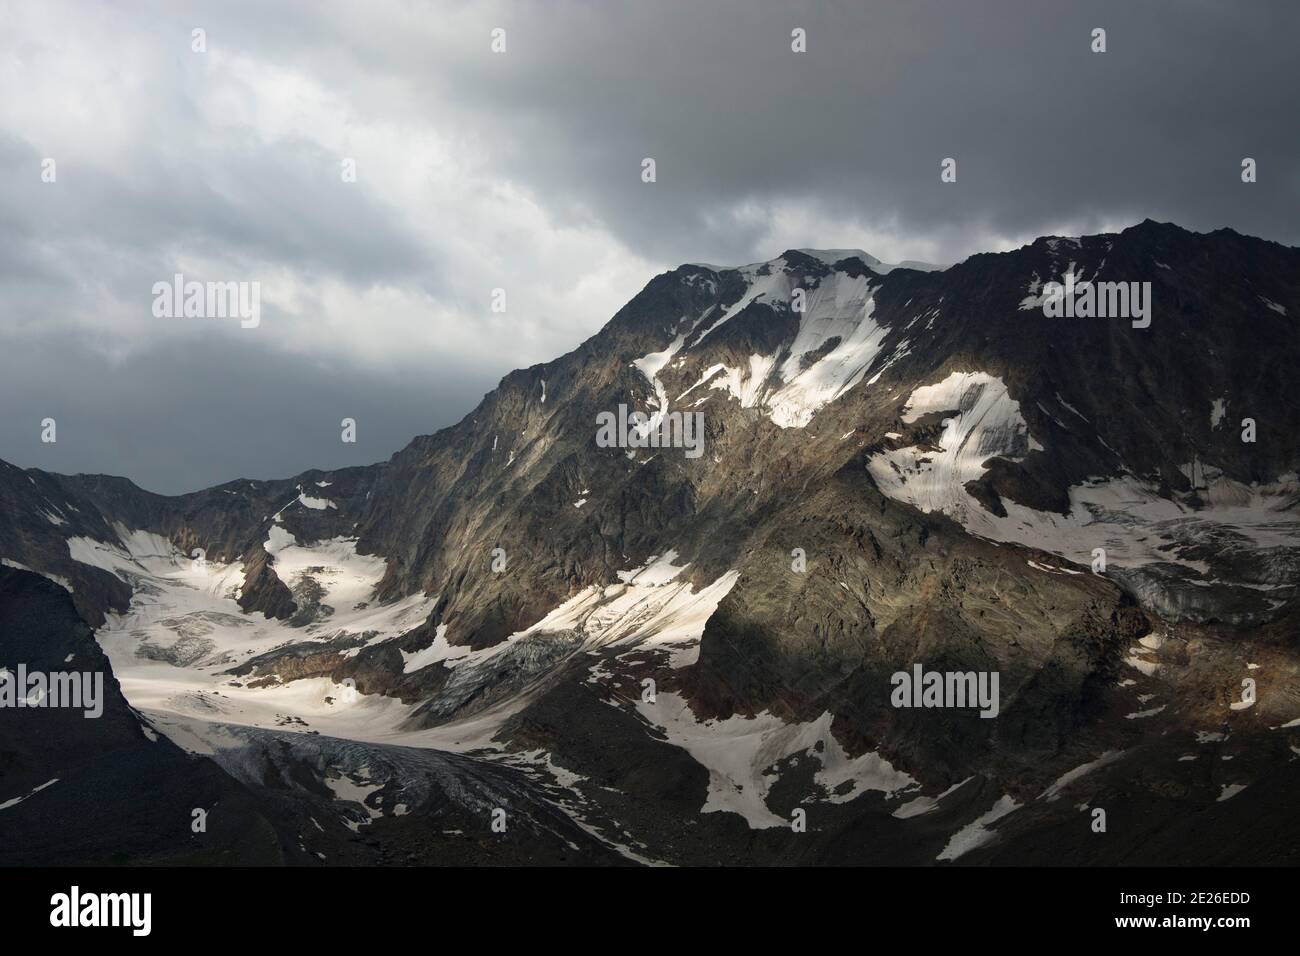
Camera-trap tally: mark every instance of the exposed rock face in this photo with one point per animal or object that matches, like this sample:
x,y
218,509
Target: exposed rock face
x,y
898,467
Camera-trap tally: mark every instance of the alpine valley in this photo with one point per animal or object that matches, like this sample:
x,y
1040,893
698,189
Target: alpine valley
x,y
514,644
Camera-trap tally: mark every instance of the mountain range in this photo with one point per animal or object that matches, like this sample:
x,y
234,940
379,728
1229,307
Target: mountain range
x,y
512,643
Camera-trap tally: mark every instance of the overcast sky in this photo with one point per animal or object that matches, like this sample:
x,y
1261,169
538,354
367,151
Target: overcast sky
x,y
521,170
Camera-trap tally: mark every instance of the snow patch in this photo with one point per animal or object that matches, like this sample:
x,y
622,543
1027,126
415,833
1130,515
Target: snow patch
x,y
740,752
977,833
985,423
436,652
1053,793
27,796
1218,409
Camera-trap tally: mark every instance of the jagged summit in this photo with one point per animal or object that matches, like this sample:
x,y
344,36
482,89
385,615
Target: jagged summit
x,y
827,257
832,256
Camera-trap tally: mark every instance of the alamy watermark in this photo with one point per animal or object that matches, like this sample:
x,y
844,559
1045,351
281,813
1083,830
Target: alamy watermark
x,y
82,690
75,908
208,300
662,430
948,689
1101,300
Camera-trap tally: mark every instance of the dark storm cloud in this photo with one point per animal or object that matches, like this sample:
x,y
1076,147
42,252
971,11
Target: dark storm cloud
x,y
177,418
233,199
1044,130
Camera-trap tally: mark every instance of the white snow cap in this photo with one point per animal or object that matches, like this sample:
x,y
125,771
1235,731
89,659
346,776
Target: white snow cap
x,y
830,257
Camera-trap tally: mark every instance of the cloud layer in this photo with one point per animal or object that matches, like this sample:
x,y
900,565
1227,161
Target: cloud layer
x,y
477,171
